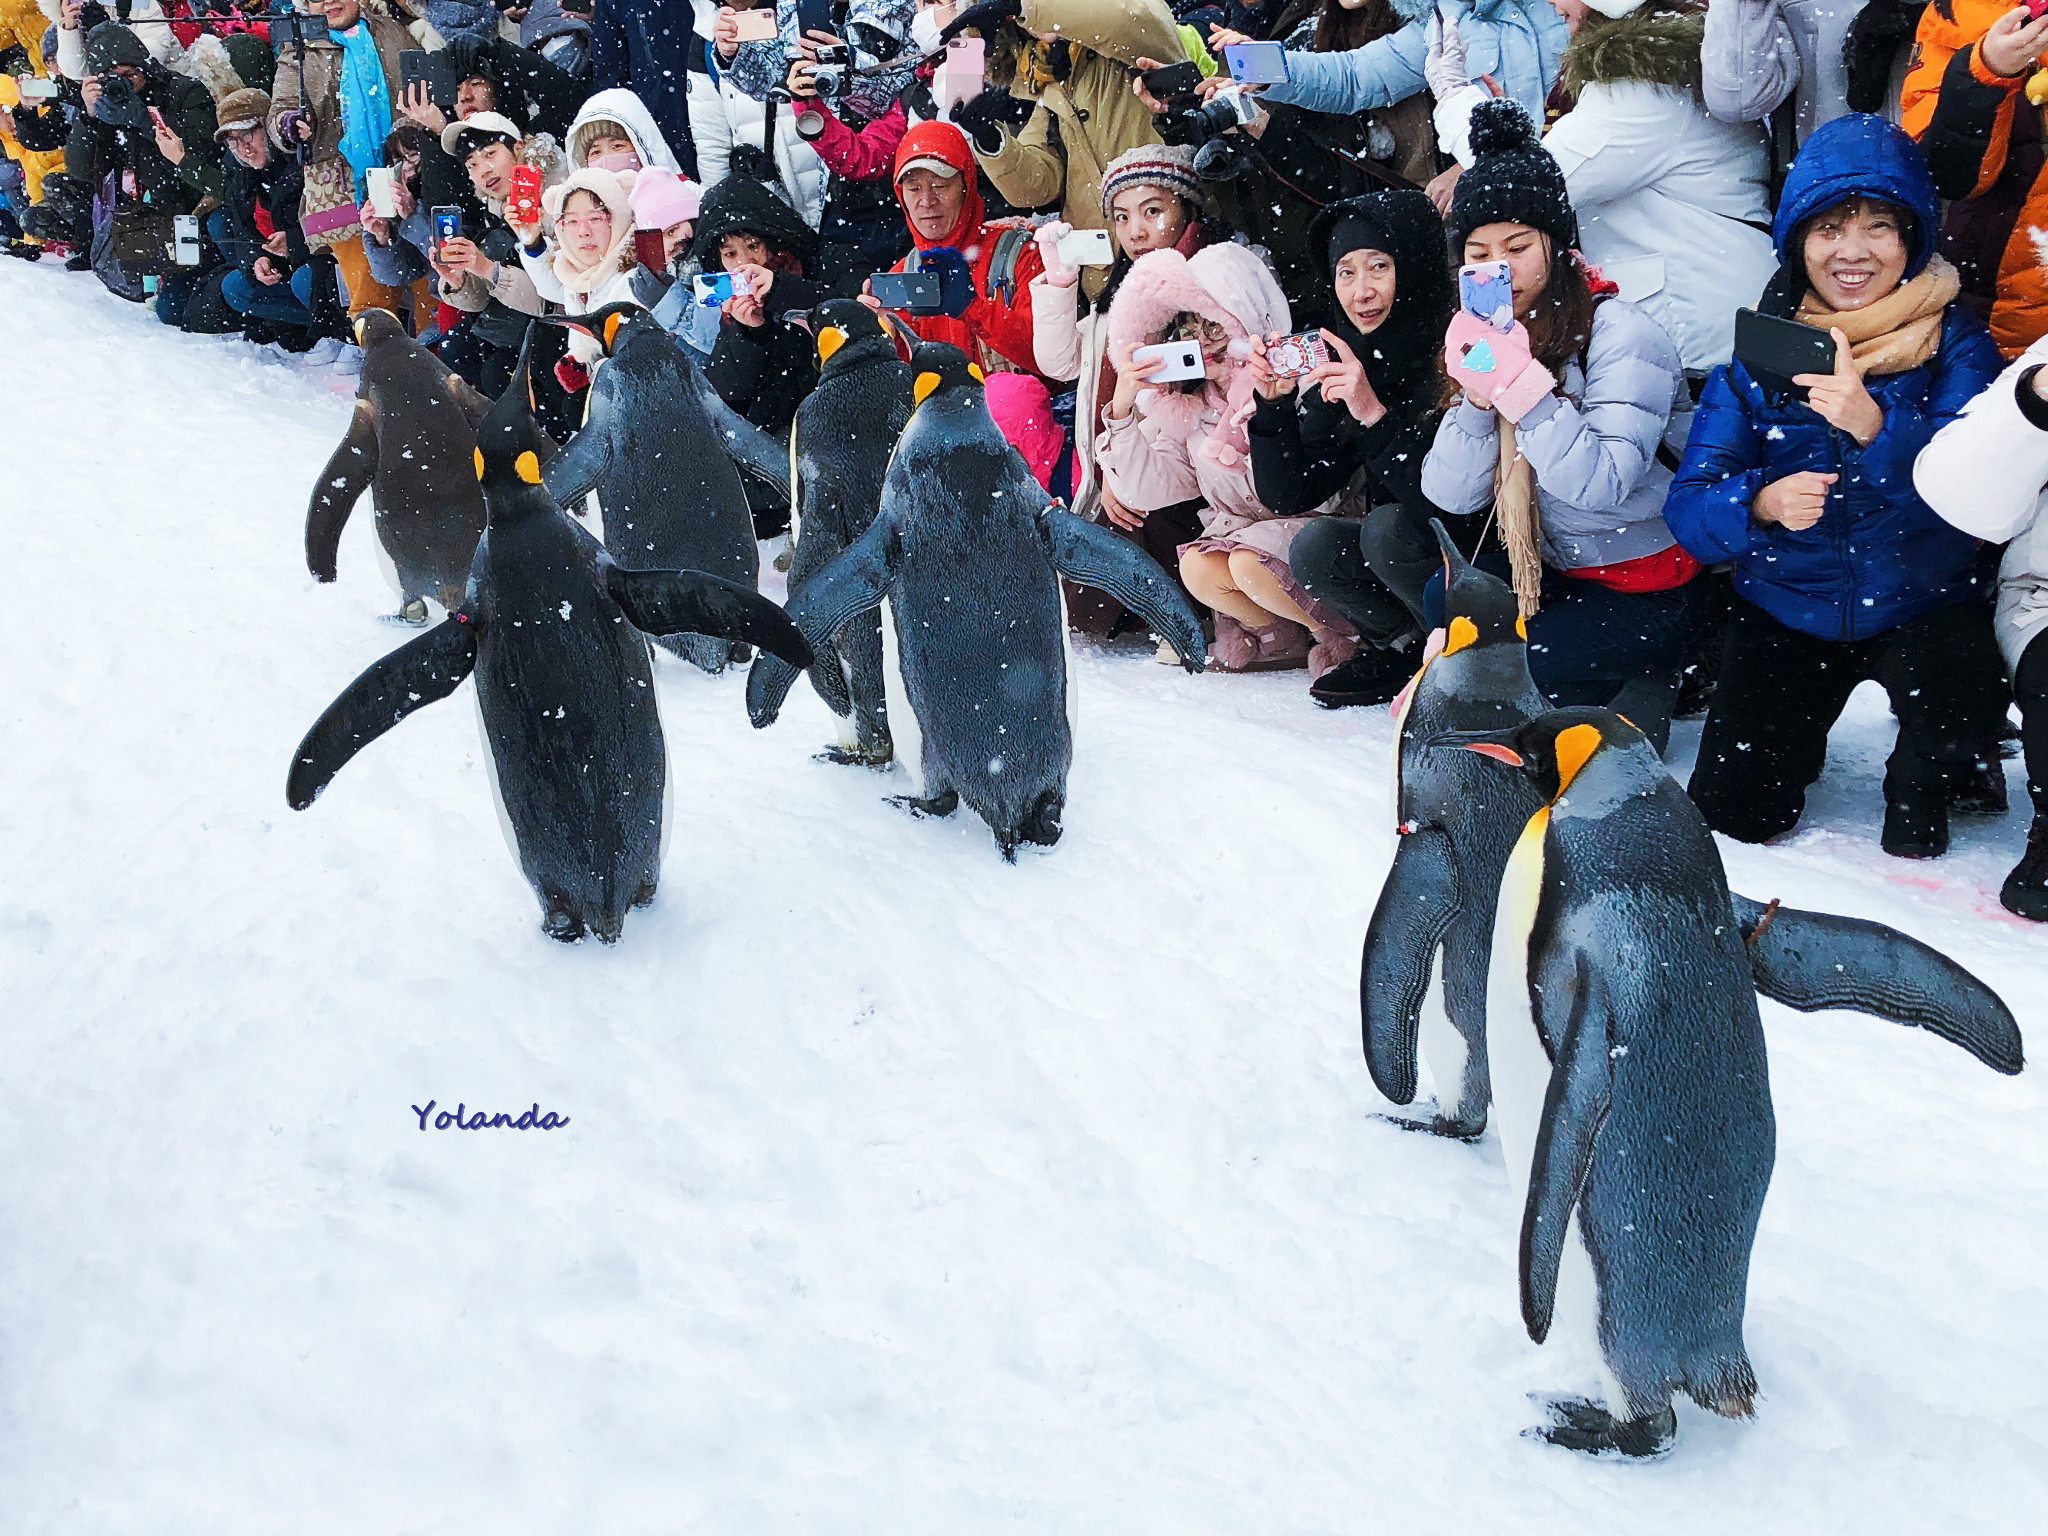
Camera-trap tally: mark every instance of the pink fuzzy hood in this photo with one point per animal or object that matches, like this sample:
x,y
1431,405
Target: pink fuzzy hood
x,y
1225,283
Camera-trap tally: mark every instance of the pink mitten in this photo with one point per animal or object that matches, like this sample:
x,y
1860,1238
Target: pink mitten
x,y
1482,359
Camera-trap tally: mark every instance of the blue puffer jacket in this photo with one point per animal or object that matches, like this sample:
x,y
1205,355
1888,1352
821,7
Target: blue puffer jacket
x,y
1517,42
1879,555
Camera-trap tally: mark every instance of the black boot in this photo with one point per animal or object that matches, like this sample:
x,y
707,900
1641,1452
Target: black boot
x,y
1916,824
1979,789
1373,676
2026,888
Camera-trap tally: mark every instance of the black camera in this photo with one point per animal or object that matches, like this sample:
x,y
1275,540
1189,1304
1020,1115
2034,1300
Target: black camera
x,y
293,29
1212,128
830,75
120,106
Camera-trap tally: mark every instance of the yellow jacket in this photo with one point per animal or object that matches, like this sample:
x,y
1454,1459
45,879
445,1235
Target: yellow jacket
x,y
35,164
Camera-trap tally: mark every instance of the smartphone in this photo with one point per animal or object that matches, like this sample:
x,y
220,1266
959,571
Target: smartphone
x,y
1086,248
447,225
1172,80
1486,290
1292,356
1773,350
2036,9
1255,63
650,250
755,26
157,118
416,64
814,16
1183,361
524,201
185,239
383,200
961,74
714,288
35,88
915,292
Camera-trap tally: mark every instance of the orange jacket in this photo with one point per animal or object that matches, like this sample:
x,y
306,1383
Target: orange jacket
x,y
1982,140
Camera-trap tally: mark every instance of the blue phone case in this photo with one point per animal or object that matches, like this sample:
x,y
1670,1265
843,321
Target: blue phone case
x,y
1485,290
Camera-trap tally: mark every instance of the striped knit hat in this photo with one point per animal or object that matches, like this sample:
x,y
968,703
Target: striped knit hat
x,y
1171,166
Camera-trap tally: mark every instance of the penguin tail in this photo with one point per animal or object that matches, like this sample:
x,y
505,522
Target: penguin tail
x,y
1727,1387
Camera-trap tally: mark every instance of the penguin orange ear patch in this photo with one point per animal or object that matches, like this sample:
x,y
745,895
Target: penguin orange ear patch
x,y
830,340
1522,626
527,467
479,462
975,370
1575,743
923,385
611,329
1462,632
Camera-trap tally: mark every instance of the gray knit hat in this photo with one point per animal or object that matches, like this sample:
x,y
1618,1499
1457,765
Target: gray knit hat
x,y
1171,166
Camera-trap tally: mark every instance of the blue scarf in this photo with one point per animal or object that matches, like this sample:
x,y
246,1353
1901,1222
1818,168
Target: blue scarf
x,y
365,102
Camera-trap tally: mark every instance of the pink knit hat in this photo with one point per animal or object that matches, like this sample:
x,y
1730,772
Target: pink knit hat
x,y
661,199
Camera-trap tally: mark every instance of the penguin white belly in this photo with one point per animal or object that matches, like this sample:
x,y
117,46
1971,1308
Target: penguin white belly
x,y
1443,1048
904,728
1520,1069
593,517
497,794
385,563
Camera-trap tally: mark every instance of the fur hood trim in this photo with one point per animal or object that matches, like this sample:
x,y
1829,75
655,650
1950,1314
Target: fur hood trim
x,y
1662,49
1224,283
613,189
207,62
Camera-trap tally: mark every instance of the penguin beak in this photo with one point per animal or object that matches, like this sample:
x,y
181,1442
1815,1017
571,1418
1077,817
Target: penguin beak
x,y
1486,745
563,322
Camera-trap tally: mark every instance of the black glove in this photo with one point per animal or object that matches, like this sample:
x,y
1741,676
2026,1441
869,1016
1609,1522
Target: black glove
x,y
120,107
983,18
981,119
470,57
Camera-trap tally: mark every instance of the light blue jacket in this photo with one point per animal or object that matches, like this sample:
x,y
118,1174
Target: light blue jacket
x,y
1517,42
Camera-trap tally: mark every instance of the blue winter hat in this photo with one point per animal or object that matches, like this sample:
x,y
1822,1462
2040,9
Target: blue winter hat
x,y
1859,155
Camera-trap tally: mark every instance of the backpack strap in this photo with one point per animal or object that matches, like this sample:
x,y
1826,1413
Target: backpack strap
x,y
1002,266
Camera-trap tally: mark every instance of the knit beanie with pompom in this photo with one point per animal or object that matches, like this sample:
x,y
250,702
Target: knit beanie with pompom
x,y
1512,180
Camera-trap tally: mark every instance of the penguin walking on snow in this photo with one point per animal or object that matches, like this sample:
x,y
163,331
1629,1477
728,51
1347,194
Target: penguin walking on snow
x,y
551,624
409,443
660,448
1423,974
1629,1075
840,445
964,559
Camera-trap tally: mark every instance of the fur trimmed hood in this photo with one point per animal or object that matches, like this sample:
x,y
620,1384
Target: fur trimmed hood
x,y
1661,49
622,107
612,188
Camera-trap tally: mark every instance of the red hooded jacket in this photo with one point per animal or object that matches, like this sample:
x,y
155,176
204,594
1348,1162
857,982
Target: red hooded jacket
x,y
988,324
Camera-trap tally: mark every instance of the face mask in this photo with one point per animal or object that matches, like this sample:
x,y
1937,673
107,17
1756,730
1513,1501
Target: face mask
x,y
924,30
617,160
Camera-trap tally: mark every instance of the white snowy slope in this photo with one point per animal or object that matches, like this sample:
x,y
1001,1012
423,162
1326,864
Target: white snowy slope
x,y
902,1191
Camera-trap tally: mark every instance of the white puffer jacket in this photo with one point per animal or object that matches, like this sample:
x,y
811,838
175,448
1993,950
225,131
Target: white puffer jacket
x,y
1987,473
721,115
621,106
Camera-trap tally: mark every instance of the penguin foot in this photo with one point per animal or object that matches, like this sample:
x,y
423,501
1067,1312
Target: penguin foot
x,y
1438,1125
943,804
1579,1425
413,614
854,757
562,925
1042,826
644,897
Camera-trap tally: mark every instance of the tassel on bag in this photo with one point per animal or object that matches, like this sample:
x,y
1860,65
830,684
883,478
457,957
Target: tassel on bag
x,y
1514,507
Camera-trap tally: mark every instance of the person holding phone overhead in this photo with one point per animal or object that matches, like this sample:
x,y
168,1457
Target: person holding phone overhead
x,y
1560,425
1842,572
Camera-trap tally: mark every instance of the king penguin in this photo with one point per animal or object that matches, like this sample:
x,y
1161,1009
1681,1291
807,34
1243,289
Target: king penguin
x,y
660,449
409,442
552,623
1423,974
1629,1075
964,559
840,445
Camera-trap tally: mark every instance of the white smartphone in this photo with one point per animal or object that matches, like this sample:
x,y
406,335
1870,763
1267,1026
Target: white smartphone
x,y
755,26
185,239
1086,248
35,88
1183,361
383,201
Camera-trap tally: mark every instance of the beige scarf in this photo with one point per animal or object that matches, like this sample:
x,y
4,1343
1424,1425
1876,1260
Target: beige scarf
x,y
1899,331
1514,508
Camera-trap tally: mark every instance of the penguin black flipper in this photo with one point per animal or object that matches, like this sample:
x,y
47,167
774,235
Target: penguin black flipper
x,y
695,603
414,675
857,580
1815,960
1416,905
348,473
1574,1108
580,467
1094,557
754,451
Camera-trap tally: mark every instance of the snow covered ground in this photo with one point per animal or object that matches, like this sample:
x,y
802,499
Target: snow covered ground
x,y
902,1191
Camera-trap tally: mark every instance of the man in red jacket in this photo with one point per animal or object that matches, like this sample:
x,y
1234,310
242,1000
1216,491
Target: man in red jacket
x,y
984,267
